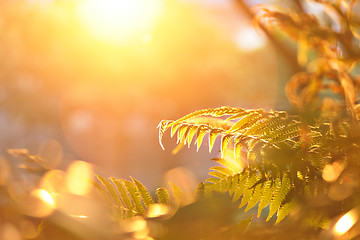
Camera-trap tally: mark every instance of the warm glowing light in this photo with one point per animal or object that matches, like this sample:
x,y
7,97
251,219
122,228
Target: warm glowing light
x,y
78,178
247,39
44,196
157,210
346,222
137,226
53,181
186,180
79,216
119,20
331,172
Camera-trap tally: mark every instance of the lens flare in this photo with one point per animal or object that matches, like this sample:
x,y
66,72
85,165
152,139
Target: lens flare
x,y
119,20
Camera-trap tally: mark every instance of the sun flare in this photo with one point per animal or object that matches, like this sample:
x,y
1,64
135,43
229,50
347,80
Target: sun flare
x,y
119,20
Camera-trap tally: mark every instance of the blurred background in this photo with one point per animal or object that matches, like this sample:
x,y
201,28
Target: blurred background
x,y
91,80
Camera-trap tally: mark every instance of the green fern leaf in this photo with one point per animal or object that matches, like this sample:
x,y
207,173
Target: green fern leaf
x,y
143,192
181,136
234,183
163,125
214,133
212,180
248,190
123,194
224,144
163,196
174,129
288,131
202,130
267,125
135,196
281,190
230,165
238,149
110,189
241,185
285,210
254,150
256,196
252,117
224,186
291,133
193,129
222,170
218,174
102,191
238,115
266,195
215,112
177,193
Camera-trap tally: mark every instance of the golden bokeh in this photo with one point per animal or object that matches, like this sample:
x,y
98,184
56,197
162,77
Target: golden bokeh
x,y
331,172
53,181
157,210
117,21
346,222
78,178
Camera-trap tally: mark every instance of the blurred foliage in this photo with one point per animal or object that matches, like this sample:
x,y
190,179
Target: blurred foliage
x,y
301,165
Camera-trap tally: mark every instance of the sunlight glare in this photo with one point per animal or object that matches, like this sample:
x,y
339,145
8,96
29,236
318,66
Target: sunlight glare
x,y
119,20
157,210
44,196
346,222
247,39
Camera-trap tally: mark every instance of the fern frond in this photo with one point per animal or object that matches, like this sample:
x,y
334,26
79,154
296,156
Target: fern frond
x,y
192,131
223,170
230,165
281,189
224,144
131,198
248,190
240,185
266,195
217,174
147,199
181,137
110,189
214,180
256,196
249,119
215,112
124,194
269,124
202,130
234,183
135,196
214,133
285,210
163,196
174,128
253,126
177,193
